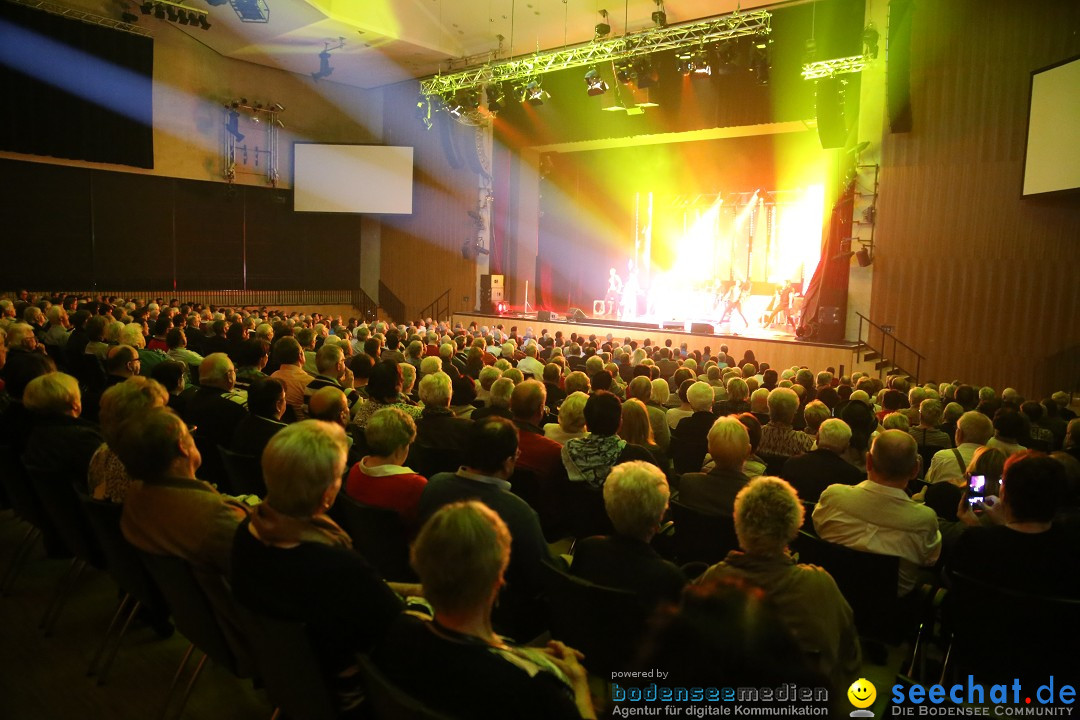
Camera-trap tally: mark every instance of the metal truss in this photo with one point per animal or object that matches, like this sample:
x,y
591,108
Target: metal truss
x,y
836,66
724,27
84,16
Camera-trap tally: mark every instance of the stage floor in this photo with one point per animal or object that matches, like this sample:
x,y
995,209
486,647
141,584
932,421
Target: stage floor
x,y
777,348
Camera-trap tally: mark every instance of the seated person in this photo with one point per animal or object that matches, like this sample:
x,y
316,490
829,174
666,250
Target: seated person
x,y
60,441
217,408
571,422
536,453
107,478
714,492
877,515
973,430
167,511
490,457
266,405
1020,547
636,498
292,562
380,479
927,434
1009,428
438,428
778,437
330,362
498,401
590,459
768,516
456,664
814,471
329,404
636,430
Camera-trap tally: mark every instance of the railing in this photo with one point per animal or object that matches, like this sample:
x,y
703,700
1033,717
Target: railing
x,y
880,352
391,303
240,298
369,309
438,309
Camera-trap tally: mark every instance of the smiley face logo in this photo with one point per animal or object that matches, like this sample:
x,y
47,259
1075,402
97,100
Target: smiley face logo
x,y
862,694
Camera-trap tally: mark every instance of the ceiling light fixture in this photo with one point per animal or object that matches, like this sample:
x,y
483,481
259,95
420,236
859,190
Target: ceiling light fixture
x,y
602,29
594,84
534,94
659,17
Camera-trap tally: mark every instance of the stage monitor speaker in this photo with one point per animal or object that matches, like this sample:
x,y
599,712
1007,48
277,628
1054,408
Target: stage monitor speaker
x,y
831,124
576,315
491,282
489,298
863,256
545,316
829,315
702,329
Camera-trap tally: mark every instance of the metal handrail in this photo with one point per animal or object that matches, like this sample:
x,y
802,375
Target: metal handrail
x,y
885,338
391,303
437,309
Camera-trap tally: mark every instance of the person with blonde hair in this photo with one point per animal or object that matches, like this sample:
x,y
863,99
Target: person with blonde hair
x,y
571,422
768,516
60,440
635,497
292,562
107,478
456,663
636,429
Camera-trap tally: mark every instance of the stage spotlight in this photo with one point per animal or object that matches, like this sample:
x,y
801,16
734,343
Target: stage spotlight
x,y
469,98
699,64
595,85
602,28
184,17
204,23
682,62
324,66
534,94
726,58
147,8
624,72
645,73
502,307
864,258
870,41
159,12
660,18
172,13
232,125
496,98
129,18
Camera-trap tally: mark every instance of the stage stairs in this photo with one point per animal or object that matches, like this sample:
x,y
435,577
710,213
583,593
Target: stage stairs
x,y
888,355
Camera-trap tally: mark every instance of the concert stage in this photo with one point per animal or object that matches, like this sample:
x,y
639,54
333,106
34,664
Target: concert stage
x,y
779,349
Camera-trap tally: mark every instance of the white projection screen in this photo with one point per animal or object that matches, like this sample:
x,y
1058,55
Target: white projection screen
x,y
352,178
1052,161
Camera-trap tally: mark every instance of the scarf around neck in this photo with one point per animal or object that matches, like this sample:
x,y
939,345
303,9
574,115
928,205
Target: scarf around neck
x,y
275,528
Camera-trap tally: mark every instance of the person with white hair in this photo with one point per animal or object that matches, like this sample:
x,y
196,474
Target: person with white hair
x,y
60,440
778,437
768,516
691,432
438,430
973,430
59,329
635,497
571,422
812,472
498,403
530,363
714,491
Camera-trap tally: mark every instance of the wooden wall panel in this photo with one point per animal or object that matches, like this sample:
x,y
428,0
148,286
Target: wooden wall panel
x,y
421,253
980,280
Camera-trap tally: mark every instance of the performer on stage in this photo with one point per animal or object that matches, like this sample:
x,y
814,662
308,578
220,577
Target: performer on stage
x,y
733,301
614,291
781,303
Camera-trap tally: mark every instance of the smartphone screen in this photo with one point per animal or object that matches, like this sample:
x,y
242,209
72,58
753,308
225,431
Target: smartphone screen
x,y
976,489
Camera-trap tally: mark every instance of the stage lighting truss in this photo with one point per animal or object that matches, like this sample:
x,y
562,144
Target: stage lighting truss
x,y
836,66
176,12
636,47
265,114
126,25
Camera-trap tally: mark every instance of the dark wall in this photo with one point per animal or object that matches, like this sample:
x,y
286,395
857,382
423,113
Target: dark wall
x,y
75,228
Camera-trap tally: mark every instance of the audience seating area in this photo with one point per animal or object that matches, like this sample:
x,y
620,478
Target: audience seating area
x,y
612,530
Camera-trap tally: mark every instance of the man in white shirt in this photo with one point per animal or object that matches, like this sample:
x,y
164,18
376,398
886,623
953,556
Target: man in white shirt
x,y
529,363
878,516
973,430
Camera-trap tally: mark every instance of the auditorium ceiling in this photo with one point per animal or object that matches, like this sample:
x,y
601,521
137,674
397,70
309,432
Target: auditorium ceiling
x,y
386,41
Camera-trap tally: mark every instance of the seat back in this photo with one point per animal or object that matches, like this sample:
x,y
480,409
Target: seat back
x,y
585,511
90,373
389,702
603,623
428,461
687,454
288,667
60,501
192,610
17,487
212,469
774,464
121,560
926,452
243,473
868,581
378,534
1000,633
701,536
